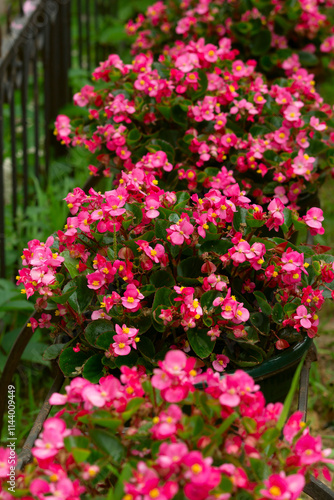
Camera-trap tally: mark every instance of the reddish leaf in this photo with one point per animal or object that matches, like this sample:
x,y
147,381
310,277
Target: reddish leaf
x,y
282,344
320,248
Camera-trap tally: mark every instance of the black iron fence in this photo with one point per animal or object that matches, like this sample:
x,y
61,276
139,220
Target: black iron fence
x,y
36,54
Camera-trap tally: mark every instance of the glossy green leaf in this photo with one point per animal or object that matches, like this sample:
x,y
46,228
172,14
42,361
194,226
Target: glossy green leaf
x,y
82,296
96,328
263,303
278,313
71,362
70,263
93,368
162,278
200,342
108,443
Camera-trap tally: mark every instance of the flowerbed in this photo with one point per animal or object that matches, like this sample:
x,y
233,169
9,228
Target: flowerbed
x,y
143,438
188,259
191,248
279,34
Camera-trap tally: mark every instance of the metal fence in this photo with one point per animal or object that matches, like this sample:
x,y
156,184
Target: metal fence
x,y
35,58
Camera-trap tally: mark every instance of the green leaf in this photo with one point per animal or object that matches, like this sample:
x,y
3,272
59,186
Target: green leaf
x,y
190,267
208,298
96,328
93,369
137,212
53,351
102,418
132,407
257,130
82,296
219,247
179,115
289,309
203,85
289,398
63,298
104,340
249,424
128,360
260,468
192,427
161,298
18,305
162,278
161,145
239,217
108,443
165,111
261,42
147,290
160,229
226,424
263,303
278,313
287,220
70,263
200,343
80,454
307,58
260,322
133,136
71,362
146,347
76,442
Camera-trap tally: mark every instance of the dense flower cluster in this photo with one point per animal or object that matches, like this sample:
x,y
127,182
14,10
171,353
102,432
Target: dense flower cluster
x,y
203,118
120,437
210,163
138,270
279,33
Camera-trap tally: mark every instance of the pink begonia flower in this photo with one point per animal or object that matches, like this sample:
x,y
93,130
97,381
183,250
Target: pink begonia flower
x,y
234,386
90,471
276,219
152,202
122,344
315,123
214,333
51,439
100,314
96,280
63,126
175,377
82,98
293,426
165,425
132,297
220,363
303,316
281,487
130,332
91,395
170,455
180,231
156,254
313,219
115,205
6,457
309,450
38,487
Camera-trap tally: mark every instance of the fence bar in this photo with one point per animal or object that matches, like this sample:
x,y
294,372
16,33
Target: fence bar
x,y
12,362
25,456
24,100
318,491
2,187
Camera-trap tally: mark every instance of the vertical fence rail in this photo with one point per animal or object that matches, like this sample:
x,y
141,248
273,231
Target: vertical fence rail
x,y
36,55
34,51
